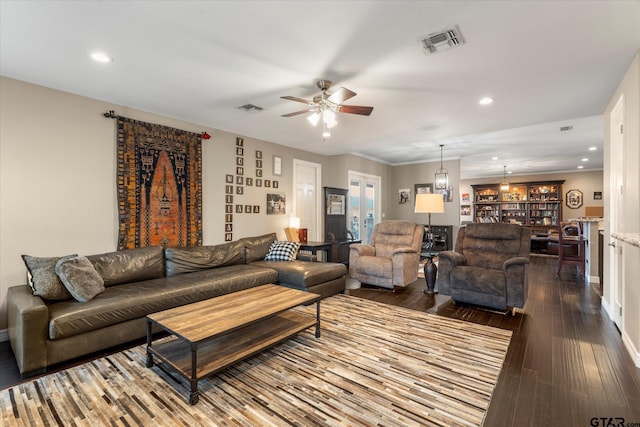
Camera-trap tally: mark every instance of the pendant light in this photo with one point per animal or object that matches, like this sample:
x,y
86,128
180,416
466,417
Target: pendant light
x,y
442,175
504,186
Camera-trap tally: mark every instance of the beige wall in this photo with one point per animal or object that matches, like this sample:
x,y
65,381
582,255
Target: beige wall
x,y
406,176
629,88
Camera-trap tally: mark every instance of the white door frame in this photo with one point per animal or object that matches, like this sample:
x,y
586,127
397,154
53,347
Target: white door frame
x,y
319,226
616,190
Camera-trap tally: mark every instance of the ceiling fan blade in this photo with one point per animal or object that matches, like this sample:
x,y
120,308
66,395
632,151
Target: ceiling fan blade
x,y
355,109
297,112
341,95
293,98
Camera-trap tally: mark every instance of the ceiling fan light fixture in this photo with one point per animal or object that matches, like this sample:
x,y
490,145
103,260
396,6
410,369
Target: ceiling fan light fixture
x,y
329,118
314,119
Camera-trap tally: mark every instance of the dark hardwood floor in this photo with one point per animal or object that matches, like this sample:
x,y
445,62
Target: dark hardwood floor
x,y
566,363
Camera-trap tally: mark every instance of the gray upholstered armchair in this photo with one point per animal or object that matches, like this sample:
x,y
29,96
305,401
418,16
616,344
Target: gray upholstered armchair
x,y
489,266
392,256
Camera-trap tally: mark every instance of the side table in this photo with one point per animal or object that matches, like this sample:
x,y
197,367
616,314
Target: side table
x,y
430,272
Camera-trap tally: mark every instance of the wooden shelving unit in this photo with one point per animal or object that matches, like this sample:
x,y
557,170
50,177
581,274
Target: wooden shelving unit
x,y
536,204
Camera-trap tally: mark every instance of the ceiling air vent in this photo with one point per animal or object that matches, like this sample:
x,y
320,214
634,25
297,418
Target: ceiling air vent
x,y
250,108
566,128
443,40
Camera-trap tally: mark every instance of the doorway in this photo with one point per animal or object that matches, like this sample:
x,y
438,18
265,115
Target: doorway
x,y
364,204
307,199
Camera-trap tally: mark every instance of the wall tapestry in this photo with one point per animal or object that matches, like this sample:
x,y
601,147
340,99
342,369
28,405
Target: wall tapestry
x,y
159,186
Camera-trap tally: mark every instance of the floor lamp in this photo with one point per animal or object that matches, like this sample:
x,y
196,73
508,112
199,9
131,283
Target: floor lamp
x,y
430,203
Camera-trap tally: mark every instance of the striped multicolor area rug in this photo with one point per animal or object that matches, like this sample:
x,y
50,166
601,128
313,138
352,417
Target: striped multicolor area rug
x,y
375,364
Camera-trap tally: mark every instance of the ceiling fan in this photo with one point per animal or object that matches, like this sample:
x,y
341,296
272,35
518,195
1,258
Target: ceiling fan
x,y
325,106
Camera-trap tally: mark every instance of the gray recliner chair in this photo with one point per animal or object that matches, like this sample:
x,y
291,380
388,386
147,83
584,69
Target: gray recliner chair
x,y
392,256
489,266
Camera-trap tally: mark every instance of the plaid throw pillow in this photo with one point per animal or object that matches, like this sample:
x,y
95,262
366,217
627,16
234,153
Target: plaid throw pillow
x,y
282,251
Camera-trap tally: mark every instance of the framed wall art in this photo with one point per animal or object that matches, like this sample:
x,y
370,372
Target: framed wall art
x,y
423,188
574,199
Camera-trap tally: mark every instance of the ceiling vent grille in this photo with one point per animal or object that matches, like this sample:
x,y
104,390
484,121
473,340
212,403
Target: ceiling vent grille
x,y
443,40
250,108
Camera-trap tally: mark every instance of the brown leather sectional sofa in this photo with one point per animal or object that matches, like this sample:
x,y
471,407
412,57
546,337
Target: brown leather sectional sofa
x,y
146,280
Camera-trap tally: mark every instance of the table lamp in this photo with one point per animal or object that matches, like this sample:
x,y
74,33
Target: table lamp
x,y
430,203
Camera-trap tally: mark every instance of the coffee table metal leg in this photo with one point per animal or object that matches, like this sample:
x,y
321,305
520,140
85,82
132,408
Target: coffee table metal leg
x,y
194,396
318,318
149,337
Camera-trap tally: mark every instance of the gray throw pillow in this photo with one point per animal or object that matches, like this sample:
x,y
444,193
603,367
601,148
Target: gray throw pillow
x,y
45,283
80,278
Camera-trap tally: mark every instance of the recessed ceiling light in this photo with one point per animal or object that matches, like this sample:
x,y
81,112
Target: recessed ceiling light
x,y
485,101
580,167
593,148
101,57
585,159
494,158
509,172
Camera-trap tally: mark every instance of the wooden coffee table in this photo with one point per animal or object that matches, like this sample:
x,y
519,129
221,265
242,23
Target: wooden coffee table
x,y
210,335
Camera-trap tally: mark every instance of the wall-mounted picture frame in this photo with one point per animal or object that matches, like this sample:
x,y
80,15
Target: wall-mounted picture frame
x,y
259,173
239,170
239,142
228,209
240,161
248,182
228,189
228,237
276,204
277,165
256,209
239,151
423,188
404,196
247,208
597,195
258,182
258,163
239,180
228,178
239,209
228,218
239,189
574,199
335,204
275,184
258,154
267,183
228,198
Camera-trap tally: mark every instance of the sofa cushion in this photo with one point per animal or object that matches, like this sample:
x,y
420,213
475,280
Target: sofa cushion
x,y
130,265
44,282
256,248
282,251
304,274
130,301
80,278
187,260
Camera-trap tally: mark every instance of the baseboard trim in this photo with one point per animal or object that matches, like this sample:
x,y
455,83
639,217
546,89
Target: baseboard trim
x,y
4,335
594,279
633,351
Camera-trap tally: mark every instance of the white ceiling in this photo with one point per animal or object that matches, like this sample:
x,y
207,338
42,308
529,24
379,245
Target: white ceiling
x,y
547,64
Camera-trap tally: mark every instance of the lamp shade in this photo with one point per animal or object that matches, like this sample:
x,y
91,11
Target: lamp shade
x,y
429,203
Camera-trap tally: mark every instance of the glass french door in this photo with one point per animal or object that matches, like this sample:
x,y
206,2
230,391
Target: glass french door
x,y
364,205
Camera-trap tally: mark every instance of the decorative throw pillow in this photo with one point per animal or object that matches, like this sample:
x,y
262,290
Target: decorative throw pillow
x,y
282,251
44,281
80,278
